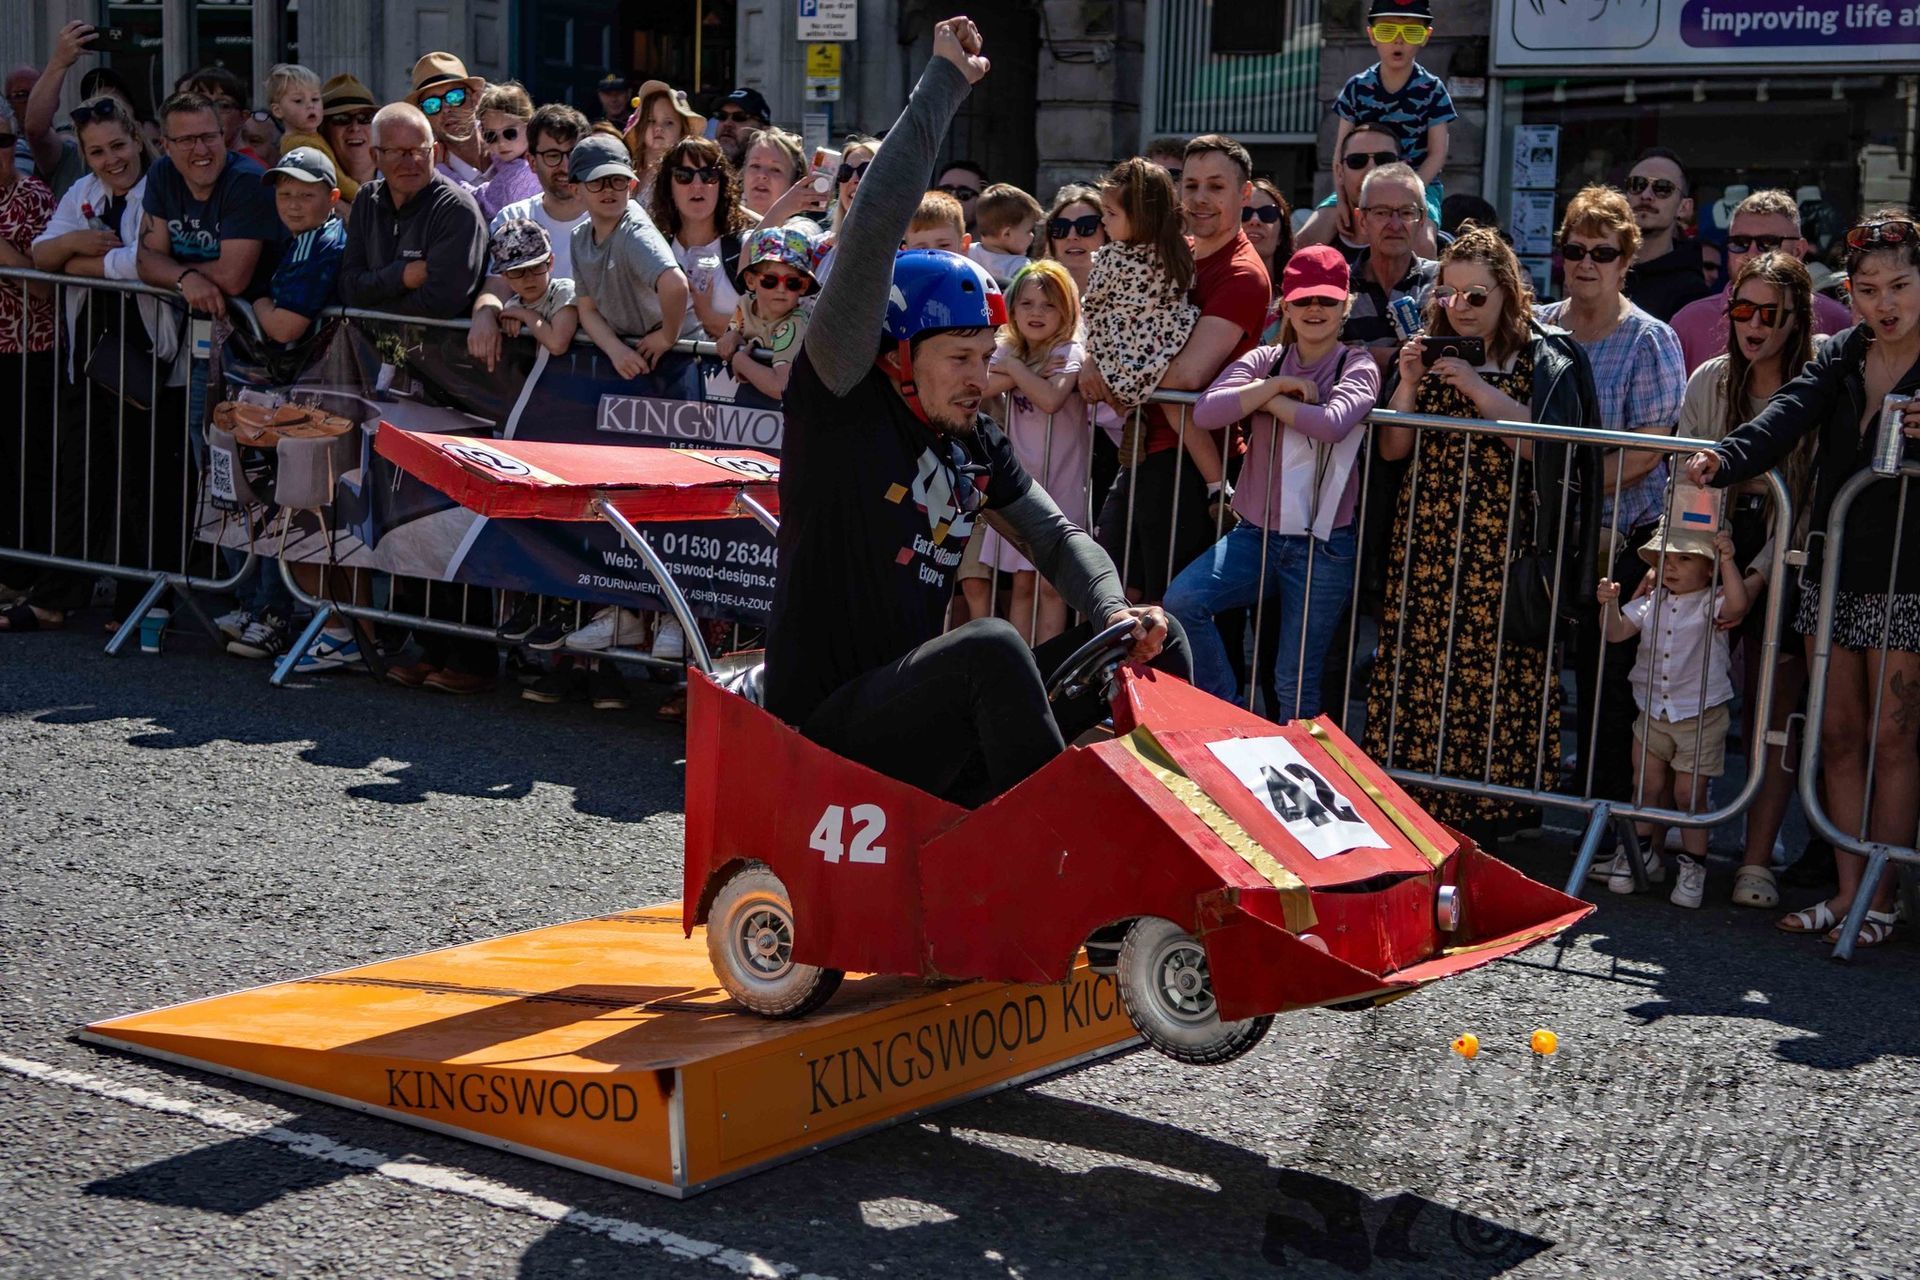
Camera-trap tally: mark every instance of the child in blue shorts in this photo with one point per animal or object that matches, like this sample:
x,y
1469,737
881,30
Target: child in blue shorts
x,y
1400,93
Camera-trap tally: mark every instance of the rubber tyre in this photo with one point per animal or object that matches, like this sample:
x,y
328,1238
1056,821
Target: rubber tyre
x,y
750,942
1168,995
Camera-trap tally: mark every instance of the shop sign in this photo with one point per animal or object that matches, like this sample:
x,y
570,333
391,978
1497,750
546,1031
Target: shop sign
x,y
1702,35
829,20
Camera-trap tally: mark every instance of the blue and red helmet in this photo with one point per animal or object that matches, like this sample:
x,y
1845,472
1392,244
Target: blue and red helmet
x,y
935,291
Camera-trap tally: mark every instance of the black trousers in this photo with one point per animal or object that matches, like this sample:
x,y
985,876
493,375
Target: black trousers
x,y
965,715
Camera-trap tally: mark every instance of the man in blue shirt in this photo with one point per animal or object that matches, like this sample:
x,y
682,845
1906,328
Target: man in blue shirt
x,y
210,229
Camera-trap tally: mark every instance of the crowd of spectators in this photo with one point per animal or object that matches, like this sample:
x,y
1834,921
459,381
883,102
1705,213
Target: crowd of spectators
x,y
1267,513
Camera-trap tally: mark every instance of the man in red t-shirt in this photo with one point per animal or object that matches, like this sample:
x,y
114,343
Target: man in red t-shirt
x,y
1232,290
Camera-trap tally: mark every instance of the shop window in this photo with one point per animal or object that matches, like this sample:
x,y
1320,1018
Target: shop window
x,y
1250,27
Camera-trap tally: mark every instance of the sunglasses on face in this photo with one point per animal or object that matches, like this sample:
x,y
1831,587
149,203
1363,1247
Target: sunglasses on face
x,y
359,119
510,134
1267,213
612,182
1358,160
1601,254
848,172
685,175
1741,311
1475,297
1173,171
1886,231
733,115
451,98
1661,187
1756,244
1085,226
531,269
960,191
1314,302
792,284
1406,32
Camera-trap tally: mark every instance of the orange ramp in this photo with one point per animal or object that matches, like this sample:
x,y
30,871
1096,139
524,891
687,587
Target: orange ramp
x,y
606,1046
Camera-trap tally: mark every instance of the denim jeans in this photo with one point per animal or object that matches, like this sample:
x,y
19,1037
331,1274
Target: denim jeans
x,y
1227,576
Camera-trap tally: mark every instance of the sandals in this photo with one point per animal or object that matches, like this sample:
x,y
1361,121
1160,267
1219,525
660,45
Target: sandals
x,y
1874,930
1818,918
21,619
1755,887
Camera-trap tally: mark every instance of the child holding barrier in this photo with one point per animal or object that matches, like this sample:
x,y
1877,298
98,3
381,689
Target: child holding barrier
x,y
1036,364
777,273
1309,396
1681,685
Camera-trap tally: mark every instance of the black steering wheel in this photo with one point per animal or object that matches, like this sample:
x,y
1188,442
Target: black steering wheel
x,y
1103,655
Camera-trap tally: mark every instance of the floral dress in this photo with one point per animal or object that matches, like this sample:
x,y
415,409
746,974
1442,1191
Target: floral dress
x,y
1423,708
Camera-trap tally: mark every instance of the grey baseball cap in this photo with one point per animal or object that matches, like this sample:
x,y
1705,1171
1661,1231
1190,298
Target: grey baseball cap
x,y
598,156
306,164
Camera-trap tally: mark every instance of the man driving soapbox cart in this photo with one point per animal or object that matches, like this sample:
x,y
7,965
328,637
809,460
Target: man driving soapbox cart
x,y
1225,869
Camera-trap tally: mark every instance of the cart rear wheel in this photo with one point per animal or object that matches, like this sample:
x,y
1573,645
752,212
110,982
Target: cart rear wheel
x,y
750,931
1168,995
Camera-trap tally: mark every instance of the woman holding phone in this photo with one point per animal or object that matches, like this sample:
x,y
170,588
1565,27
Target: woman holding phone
x,y
1453,691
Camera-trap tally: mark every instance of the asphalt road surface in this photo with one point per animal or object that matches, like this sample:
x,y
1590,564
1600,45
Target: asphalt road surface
x,y
1726,1102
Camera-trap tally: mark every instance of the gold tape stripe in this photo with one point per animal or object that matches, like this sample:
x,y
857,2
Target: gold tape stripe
x,y
1296,903
1407,828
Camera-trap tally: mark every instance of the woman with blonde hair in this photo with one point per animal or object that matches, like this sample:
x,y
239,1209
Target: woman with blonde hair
x,y
1458,689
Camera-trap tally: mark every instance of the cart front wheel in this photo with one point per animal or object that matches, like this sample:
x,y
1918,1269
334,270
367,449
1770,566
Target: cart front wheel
x,y
1168,994
750,932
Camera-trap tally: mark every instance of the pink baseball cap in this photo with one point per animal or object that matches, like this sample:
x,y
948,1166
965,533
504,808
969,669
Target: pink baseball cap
x,y
1317,271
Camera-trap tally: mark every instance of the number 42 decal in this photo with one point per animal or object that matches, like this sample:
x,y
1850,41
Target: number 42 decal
x,y
869,824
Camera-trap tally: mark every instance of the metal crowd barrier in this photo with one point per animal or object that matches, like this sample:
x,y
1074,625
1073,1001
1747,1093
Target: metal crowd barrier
x,y
47,425
1877,851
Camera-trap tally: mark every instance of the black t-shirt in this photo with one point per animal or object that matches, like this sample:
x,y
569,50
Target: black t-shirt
x,y
870,537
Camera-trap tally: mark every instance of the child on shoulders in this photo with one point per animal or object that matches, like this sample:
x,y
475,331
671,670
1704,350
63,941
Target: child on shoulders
x,y
1400,94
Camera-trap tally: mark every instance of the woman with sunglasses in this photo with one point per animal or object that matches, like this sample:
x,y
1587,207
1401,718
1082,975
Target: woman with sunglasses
x,y
1266,223
1454,691
1641,378
855,157
1073,232
1873,675
695,202
1769,336
347,125
94,233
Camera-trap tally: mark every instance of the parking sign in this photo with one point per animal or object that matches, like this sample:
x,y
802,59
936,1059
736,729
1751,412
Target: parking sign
x,y
825,20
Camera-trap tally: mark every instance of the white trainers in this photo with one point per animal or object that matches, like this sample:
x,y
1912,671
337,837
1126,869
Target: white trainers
x,y
610,629
1689,882
1620,875
669,642
234,623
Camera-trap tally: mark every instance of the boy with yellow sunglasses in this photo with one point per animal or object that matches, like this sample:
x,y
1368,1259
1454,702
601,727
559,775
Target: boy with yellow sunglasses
x,y
1401,94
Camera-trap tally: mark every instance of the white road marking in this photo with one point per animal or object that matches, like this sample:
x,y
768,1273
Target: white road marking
x,y
430,1177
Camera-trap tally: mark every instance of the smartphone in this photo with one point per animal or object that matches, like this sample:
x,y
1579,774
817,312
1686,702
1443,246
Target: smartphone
x,y
826,167
114,40
1472,350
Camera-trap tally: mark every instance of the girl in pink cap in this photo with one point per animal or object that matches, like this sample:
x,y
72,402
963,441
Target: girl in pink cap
x,y
1293,552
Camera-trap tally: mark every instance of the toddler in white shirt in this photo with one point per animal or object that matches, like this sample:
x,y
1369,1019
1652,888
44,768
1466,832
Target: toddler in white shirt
x,y
1682,686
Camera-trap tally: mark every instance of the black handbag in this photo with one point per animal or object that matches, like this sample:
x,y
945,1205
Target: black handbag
x,y
1528,609
122,363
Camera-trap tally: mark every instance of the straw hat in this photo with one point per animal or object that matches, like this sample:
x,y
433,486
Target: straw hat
x,y
693,121
440,71
1682,541
344,92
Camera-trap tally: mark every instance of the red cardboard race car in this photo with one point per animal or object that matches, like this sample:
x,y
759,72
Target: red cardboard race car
x,y
1225,868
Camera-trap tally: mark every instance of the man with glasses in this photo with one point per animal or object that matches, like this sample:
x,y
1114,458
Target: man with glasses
x,y
1336,220
741,114
1668,272
1762,223
558,209
210,229
964,181
1393,206
416,243
448,97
